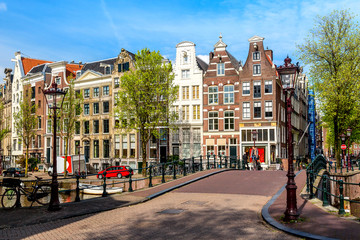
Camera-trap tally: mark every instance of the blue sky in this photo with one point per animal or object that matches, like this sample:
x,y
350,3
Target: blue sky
x,y
97,29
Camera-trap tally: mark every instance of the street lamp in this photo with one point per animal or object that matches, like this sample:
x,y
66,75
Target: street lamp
x,y
343,138
348,133
288,73
54,92
79,147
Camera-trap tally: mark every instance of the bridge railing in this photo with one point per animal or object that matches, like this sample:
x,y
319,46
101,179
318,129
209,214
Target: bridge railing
x,y
324,187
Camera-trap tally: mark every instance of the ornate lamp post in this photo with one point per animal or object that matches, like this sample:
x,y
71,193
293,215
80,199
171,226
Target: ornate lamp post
x,y
288,73
79,148
54,92
348,133
343,138
254,134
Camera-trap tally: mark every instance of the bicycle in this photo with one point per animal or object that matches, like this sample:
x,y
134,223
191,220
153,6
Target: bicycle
x,y
14,189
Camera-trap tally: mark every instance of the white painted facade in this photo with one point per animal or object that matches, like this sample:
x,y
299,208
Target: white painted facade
x,y
189,77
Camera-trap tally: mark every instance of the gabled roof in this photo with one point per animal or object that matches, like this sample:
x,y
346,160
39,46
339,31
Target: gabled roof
x,y
201,64
256,39
72,68
38,68
29,63
95,66
233,60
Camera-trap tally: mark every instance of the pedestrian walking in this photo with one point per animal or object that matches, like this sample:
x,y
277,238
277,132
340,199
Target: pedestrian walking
x,y
245,160
254,157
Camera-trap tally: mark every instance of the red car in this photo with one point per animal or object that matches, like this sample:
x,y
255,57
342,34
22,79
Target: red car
x,y
116,171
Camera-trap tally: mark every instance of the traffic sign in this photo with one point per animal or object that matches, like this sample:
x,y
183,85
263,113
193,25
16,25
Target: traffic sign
x,y
343,146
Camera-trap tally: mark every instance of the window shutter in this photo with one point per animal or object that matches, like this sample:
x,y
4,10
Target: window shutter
x,y
119,67
126,66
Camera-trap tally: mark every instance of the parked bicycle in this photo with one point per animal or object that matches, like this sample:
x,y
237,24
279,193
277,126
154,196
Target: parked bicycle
x,y
15,188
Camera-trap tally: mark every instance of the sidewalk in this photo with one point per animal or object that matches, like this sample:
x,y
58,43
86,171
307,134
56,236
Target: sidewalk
x,y
317,222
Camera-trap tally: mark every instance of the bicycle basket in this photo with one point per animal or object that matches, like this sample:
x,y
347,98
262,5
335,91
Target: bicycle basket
x,y
11,182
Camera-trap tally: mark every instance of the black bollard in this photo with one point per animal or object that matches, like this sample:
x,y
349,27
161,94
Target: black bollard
x,y
193,165
174,170
150,176
201,165
163,172
104,185
130,184
77,198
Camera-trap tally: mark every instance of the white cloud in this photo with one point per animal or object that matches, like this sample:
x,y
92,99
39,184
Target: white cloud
x,y
3,6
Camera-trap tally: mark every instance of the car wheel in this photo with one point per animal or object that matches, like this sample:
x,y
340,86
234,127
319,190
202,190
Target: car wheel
x,y
100,176
119,175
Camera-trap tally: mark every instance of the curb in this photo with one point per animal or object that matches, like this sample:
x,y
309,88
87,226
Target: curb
x,y
267,217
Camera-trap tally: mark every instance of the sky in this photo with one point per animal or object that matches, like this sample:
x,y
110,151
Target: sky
x,y
93,30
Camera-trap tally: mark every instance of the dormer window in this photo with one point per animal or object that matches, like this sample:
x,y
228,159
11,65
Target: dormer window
x,y
123,67
107,70
58,80
78,74
256,56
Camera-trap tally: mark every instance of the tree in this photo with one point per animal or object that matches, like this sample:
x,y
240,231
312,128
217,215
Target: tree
x,y
333,52
145,96
68,116
25,124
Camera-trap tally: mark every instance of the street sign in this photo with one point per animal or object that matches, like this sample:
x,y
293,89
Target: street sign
x,y
343,146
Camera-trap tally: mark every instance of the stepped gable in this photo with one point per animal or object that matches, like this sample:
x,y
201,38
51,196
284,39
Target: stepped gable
x,y
201,64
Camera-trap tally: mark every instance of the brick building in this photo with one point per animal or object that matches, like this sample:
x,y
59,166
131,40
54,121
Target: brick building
x,y
221,111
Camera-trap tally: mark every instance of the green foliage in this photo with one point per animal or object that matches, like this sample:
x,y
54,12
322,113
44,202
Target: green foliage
x,y
26,124
333,52
146,94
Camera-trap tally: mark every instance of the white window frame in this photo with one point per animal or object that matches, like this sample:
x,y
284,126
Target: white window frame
x,y
196,112
185,112
213,95
229,120
88,91
256,83
257,104
108,91
246,110
246,86
58,80
213,121
267,83
220,69
256,53
228,95
185,93
185,73
269,108
96,94
257,70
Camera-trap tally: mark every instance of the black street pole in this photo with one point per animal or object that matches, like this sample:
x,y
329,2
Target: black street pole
x,y
291,212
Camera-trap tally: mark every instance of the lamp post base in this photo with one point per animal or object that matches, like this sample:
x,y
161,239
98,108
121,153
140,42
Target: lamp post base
x,y
54,204
291,212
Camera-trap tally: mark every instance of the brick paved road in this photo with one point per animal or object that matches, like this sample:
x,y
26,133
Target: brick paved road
x,y
223,206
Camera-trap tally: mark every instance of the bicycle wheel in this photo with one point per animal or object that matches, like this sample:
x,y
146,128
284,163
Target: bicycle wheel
x,y
9,198
42,194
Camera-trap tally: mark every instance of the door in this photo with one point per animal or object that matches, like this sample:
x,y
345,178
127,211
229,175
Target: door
x,y
162,154
233,155
87,153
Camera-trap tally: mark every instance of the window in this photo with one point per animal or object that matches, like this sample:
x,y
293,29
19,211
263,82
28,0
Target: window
x,y
96,92
185,112
257,89
185,73
96,126
185,93
229,94
105,107
116,82
108,70
78,74
33,142
256,56
86,93
86,109
77,127
229,120
196,112
124,146
132,145
210,150
96,148
123,67
268,109
32,92
48,129
186,143
86,127
106,126
213,121
257,109
246,110
213,95
39,141
272,135
106,148
221,69
195,92
39,122
186,58
96,108
246,88
256,69
268,87
58,80
106,90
